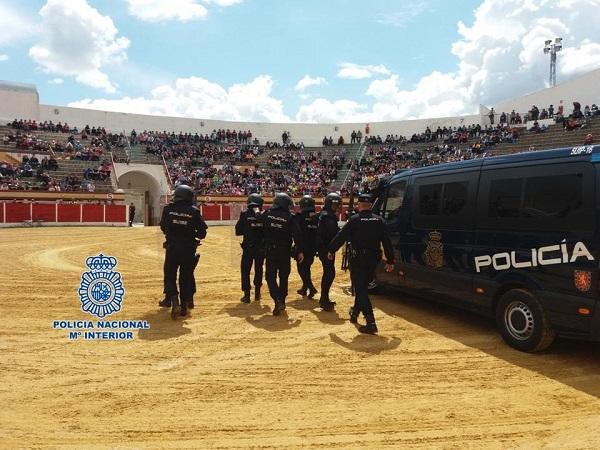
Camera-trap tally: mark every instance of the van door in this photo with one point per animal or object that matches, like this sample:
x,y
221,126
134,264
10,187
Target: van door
x,y
393,211
439,236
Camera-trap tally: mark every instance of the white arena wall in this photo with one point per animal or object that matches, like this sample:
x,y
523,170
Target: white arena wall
x,y
584,89
21,101
311,134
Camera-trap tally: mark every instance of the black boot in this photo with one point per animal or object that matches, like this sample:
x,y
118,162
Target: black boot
x,y
326,304
353,315
302,291
184,309
256,293
246,297
175,308
312,291
165,302
190,304
369,328
279,306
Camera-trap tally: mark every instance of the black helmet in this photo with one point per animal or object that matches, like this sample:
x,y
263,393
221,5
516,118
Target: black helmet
x,y
307,204
183,193
255,200
332,198
283,201
364,197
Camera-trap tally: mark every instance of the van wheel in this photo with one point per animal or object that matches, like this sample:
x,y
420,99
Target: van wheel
x,y
523,322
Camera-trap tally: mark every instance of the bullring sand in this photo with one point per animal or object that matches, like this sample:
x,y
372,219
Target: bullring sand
x,y
234,376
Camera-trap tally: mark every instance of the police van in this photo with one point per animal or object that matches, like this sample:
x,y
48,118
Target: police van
x,y
515,237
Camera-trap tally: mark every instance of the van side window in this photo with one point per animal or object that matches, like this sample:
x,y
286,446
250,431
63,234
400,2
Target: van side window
x,y
543,197
553,197
505,198
455,198
429,199
394,201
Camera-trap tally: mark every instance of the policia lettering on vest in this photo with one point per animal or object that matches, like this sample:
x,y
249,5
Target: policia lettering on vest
x,y
280,231
307,222
184,228
250,226
367,232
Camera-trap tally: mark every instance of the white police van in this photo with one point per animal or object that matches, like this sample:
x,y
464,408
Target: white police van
x,y
515,237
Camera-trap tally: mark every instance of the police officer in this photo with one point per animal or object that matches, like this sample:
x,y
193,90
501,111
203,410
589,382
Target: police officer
x,y
326,231
307,223
183,227
250,226
280,230
366,231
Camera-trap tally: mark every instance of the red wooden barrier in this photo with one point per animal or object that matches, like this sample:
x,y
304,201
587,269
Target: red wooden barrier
x,y
211,212
115,213
93,213
17,212
44,211
69,213
226,212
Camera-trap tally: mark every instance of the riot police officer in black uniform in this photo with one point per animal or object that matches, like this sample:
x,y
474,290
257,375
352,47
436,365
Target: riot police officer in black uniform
x,y
326,231
307,222
366,231
250,226
280,229
183,227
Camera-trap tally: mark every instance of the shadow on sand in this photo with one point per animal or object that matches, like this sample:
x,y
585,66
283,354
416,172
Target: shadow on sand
x,y
573,363
366,343
162,326
274,323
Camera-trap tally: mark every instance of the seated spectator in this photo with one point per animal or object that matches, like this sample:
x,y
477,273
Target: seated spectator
x,y
589,139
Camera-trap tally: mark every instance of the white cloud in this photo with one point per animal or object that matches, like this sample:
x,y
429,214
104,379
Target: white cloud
x,y
161,10
358,72
14,26
3,57
499,57
406,14
200,98
223,3
76,40
322,110
308,81
56,81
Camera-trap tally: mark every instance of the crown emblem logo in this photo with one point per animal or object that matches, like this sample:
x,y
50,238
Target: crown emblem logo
x,y
101,262
101,289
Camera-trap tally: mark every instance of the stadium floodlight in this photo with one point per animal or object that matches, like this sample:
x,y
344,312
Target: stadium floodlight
x,y
553,48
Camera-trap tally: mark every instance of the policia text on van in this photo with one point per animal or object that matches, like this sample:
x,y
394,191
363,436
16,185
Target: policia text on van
x,y
516,237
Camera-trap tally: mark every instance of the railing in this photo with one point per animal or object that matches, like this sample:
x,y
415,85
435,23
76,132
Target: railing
x,y
113,173
361,151
166,169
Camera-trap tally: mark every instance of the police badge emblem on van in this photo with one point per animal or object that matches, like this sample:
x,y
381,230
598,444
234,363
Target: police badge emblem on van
x,y
434,253
583,280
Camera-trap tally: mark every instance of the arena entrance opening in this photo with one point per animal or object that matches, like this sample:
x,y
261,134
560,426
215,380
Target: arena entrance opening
x,y
144,191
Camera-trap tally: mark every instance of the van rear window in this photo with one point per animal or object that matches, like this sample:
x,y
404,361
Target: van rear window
x,y
556,201
553,197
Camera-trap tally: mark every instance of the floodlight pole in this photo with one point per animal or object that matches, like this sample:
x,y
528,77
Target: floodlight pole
x,y
553,48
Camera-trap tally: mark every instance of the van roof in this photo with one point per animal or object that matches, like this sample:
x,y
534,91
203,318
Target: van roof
x,y
581,153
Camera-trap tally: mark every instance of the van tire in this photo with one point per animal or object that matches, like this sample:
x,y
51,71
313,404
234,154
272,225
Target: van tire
x,y
523,322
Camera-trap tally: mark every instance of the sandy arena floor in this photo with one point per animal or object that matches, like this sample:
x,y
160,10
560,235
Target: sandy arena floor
x,y
234,376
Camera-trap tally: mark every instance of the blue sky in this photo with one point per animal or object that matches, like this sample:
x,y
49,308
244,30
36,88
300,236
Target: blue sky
x,y
243,59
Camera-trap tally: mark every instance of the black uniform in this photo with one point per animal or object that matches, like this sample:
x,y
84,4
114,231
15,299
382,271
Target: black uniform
x,y
183,227
307,223
366,231
131,214
280,230
250,226
327,229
